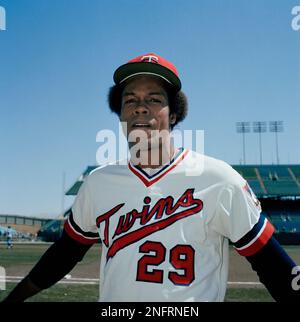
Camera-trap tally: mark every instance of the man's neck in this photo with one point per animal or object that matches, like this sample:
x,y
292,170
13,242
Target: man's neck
x,y
154,158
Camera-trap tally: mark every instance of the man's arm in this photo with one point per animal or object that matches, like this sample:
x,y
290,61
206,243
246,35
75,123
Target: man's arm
x,y
270,261
274,269
25,289
57,261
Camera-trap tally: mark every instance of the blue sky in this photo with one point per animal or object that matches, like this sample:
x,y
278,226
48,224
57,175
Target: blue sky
x,y
238,60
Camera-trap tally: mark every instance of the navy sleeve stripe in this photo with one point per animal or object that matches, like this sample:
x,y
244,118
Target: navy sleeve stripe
x,y
79,230
255,239
251,234
75,232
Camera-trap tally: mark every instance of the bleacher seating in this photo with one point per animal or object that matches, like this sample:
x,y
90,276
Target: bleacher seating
x,y
265,172
280,187
274,172
52,230
281,172
248,172
276,179
284,219
74,189
256,187
296,171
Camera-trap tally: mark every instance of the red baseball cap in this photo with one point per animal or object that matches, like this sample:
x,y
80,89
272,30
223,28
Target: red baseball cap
x,y
149,64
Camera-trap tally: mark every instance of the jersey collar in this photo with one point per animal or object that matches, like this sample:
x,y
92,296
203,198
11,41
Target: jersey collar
x,y
149,180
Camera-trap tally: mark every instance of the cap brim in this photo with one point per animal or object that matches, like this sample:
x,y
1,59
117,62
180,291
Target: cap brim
x,y
132,69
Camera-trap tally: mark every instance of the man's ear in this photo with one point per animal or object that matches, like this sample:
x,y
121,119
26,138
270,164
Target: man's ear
x,y
172,118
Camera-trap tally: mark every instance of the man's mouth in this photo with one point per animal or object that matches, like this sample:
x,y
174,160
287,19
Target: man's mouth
x,y
139,125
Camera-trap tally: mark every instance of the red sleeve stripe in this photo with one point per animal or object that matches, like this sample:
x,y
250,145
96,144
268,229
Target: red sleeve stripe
x,y
78,236
259,241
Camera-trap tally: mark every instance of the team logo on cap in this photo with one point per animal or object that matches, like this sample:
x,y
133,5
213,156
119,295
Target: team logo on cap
x,y
150,59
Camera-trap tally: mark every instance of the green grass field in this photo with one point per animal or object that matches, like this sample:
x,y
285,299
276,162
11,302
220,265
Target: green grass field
x,y
89,293
19,261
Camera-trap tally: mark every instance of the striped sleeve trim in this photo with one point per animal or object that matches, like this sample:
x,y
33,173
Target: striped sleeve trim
x,y
75,232
256,238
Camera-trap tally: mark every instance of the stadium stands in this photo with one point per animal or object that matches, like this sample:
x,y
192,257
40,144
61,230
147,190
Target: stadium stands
x,y
272,180
248,172
296,171
51,231
74,189
23,224
256,187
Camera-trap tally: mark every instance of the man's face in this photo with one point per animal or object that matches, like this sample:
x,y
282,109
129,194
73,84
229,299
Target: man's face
x,y
145,106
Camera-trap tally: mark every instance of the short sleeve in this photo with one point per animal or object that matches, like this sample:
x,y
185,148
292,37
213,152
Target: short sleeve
x,y
238,216
81,223
237,209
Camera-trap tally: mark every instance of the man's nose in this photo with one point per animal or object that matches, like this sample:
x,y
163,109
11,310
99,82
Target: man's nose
x,y
141,108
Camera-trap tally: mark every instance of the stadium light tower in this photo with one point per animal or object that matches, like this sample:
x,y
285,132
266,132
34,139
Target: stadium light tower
x,y
276,127
260,127
243,127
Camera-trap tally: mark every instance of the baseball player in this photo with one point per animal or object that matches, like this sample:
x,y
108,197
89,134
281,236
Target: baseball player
x,y
165,217
9,238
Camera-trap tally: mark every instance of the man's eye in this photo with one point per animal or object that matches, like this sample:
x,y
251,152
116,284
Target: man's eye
x,y
129,101
155,100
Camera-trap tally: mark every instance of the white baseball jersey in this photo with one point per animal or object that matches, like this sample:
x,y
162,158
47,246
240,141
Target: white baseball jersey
x,y
165,234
